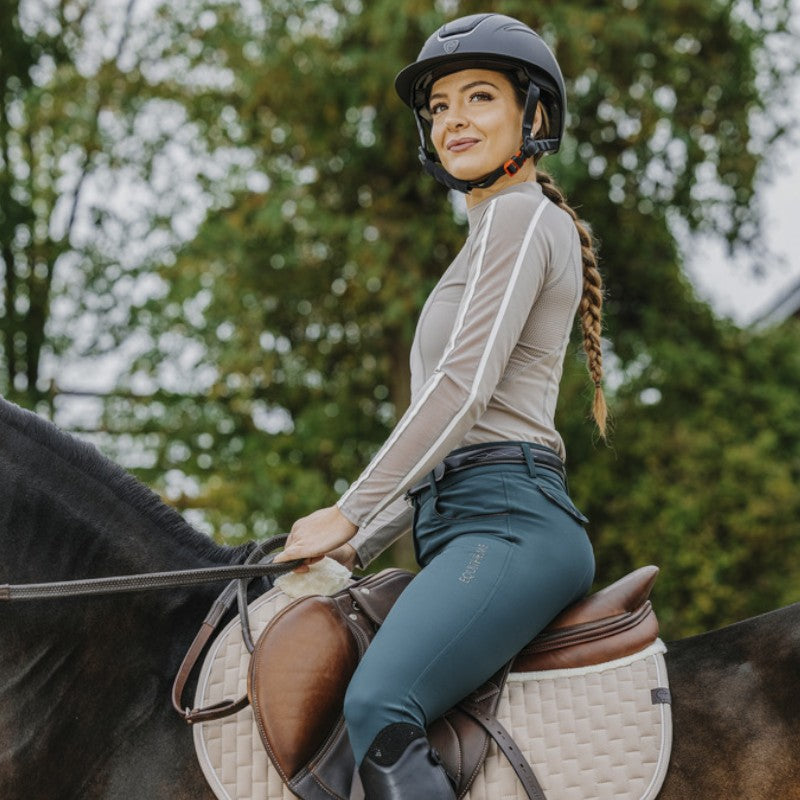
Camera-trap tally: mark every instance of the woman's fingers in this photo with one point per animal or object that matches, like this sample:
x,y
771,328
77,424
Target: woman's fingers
x,y
315,535
291,552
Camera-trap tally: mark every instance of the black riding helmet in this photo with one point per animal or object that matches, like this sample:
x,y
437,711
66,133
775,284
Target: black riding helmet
x,y
487,41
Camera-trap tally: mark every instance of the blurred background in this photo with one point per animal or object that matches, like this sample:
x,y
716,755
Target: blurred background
x,y
215,240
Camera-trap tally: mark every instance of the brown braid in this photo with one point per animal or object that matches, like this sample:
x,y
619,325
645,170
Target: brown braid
x,y
591,304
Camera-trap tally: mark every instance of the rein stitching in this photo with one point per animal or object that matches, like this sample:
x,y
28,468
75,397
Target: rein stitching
x,y
154,580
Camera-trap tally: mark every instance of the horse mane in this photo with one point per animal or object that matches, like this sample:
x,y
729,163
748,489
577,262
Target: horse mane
x,y
86,458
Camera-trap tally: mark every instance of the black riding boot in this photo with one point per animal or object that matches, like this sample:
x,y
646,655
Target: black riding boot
x,y
401,765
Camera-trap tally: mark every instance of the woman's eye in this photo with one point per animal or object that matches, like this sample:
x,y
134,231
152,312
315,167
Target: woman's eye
x,y
437,108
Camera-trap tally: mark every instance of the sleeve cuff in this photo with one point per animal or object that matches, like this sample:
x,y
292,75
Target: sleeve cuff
x,y
347,513
371,540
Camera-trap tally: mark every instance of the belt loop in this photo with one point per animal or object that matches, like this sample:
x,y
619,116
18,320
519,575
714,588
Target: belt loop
x,y
433,476
432,484
526,451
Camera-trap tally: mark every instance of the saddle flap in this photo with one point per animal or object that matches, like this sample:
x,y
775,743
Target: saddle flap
x,y
297,680
460,741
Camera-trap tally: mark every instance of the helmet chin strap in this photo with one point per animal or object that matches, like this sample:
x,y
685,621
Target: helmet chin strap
x,y
530,148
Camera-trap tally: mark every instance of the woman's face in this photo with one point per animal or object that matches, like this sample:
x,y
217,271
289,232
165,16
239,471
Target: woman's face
x,y
476,121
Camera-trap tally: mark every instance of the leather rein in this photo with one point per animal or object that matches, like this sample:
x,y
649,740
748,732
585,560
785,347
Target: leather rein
x,y
257,564
248,570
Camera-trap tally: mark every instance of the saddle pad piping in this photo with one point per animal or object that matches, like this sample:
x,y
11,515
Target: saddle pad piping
x,y
548,674
666,726
206,763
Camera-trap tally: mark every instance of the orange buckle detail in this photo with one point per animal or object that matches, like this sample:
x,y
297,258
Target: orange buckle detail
x,y
511,167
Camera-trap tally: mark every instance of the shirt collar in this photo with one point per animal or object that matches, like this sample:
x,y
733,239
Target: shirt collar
x,y
477,211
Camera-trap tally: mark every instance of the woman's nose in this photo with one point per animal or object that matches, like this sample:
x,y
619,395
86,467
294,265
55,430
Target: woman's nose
x,y
454,120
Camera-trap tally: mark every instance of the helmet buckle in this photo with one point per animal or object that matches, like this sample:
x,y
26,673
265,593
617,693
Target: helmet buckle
x,y
513,165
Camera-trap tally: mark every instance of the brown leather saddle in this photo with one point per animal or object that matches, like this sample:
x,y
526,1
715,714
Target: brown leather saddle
x,y
305,657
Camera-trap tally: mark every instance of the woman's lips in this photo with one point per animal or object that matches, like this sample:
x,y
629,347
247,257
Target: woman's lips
x,y
461,144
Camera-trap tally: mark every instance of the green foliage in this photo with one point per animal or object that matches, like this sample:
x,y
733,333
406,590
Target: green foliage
x,y
89,119
268,347
701,476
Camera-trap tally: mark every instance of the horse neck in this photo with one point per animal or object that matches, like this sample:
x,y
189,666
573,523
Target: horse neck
x,y
68,513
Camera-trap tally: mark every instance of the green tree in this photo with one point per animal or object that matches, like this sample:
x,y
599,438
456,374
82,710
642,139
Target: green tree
x,y
323,273
270,353
106,158
701,476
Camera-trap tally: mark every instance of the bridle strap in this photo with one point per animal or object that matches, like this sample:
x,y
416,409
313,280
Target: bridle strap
x,y
236,588
239,576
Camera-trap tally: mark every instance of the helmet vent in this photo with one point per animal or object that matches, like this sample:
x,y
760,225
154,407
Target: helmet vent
x,y
519,28
461,26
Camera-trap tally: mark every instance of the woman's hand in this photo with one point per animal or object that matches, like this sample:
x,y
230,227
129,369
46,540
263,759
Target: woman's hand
x,y
346,555
316,535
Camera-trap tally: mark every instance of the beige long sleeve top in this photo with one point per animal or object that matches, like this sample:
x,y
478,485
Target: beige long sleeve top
x,y
487,355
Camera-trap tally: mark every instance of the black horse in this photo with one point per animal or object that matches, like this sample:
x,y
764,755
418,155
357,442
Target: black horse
x,y
85,682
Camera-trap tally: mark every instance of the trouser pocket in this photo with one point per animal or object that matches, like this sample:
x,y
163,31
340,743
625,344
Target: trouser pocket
x,y
472,496
563,501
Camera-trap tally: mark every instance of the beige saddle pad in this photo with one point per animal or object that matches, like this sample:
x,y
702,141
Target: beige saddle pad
x,y
594,733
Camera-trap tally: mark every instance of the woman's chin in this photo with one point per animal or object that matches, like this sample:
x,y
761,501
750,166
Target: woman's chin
x,y
467,172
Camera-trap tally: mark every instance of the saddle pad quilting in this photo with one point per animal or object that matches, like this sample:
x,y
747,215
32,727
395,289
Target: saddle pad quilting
x,y
229,750
587,733
590,734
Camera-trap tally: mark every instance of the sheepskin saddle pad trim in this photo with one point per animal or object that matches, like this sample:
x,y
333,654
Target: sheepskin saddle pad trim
x,y
602,732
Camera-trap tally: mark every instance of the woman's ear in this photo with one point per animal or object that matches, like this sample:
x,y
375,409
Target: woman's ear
x,y
537,119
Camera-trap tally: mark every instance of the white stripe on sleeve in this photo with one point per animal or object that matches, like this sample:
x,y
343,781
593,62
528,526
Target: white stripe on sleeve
x,y
437,375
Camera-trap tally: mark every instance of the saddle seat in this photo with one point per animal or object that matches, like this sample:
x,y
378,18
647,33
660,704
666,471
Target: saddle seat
x,y
613,623
306,656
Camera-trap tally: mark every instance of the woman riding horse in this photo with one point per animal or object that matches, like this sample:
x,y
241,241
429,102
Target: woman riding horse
x,y
477,452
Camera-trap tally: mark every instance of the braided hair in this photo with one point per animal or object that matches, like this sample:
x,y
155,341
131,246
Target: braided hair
x,y
591,304
590,308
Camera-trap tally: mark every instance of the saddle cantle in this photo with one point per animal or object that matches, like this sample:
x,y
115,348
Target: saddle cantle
x,y
306,655
612,623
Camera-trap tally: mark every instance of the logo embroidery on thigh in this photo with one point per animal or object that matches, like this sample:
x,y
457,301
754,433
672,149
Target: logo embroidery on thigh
x,y
474,562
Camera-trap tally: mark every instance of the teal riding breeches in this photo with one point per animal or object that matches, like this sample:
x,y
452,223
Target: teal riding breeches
x,y
502,550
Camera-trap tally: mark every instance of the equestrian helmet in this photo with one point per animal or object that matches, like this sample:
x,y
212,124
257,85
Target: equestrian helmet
x,y
488,41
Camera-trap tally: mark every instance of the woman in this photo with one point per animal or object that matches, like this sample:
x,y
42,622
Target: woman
x,y
501,545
